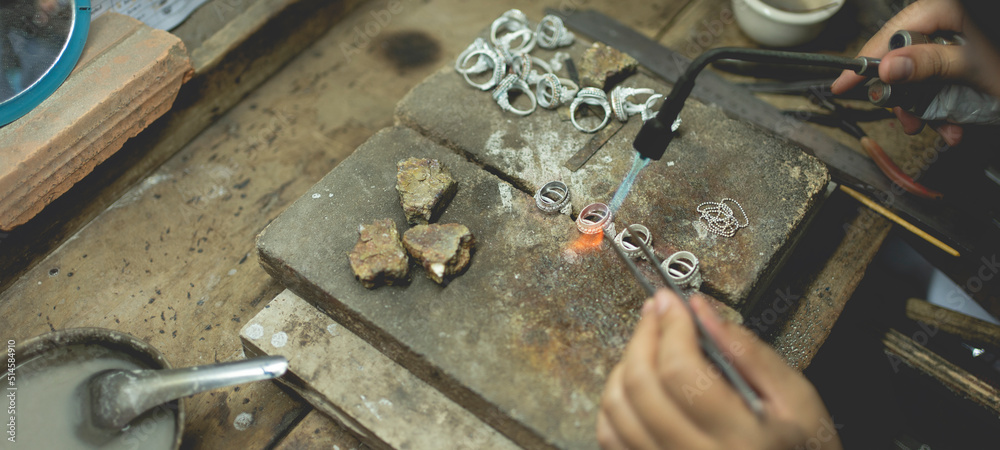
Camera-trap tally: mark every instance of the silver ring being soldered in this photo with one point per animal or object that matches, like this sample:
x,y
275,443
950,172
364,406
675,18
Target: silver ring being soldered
x,y
594,218
552,33
512,81
552,197
590,96
631,250
688,264
554,91
494,60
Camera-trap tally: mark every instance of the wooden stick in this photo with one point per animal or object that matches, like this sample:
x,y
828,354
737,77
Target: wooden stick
x,y
956,379
899,220
969,328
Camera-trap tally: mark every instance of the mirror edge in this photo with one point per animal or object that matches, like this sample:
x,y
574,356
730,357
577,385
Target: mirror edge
x,y
24,102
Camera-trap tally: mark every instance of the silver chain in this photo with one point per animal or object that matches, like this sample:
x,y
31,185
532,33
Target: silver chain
x,y
720,219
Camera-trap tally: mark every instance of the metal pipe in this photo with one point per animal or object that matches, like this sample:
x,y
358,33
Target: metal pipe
x,y
655,134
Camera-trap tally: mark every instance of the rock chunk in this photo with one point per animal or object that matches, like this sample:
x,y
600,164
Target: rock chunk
x,y
443,249
425,187
378,257
603,66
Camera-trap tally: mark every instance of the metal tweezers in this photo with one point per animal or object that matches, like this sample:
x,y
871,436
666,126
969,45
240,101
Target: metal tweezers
x,y
708,345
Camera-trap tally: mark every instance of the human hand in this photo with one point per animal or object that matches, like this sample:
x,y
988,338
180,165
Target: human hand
x,y
976,63
664,394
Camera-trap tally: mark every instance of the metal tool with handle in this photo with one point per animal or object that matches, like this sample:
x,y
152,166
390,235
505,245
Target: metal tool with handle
x,y
708,345
117,396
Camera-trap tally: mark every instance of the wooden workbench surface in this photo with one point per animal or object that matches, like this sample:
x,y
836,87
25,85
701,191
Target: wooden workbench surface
x,y
172,260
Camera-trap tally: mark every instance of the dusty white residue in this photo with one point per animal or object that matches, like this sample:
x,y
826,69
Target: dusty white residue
x,y
541,158
570,256
137,192
670,164
385,402
231,272
317,195
372,406
506,196
332,329
279,339
254,331
243,421
700,228
331,195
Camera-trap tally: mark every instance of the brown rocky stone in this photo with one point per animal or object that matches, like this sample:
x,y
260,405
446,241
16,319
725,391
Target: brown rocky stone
x,y
443,249
425,187
604,66
378,258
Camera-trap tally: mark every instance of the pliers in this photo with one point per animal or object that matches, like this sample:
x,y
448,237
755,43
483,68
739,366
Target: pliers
x,y
847,120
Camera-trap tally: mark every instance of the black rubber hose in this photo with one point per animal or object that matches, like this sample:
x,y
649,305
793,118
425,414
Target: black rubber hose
x,y
655,134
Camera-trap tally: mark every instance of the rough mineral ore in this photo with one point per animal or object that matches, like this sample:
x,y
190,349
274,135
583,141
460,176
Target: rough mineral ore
x,y
378,257
443,249
603,66
425,187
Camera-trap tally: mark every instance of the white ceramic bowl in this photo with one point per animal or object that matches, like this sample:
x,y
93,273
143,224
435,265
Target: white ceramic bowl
x,y
774,27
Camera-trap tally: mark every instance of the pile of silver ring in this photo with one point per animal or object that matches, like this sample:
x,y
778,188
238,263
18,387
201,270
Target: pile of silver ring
x,y
508,56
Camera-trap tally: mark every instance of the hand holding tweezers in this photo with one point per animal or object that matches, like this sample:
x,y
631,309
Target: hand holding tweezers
x,y
708,345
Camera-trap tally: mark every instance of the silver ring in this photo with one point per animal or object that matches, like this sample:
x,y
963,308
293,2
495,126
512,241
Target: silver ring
x,y
682,267
552,197
648,113
512,81
631,250
590,96
552,33
494,60
554,91
481,64
594,218
512,21
621,105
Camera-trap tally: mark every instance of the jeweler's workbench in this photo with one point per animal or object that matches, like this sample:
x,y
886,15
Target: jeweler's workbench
x,y
527,335
173,261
